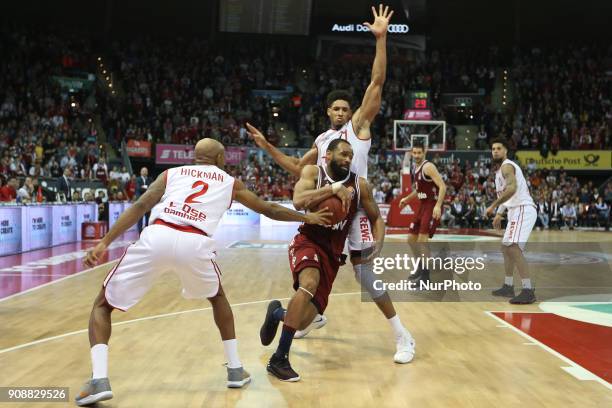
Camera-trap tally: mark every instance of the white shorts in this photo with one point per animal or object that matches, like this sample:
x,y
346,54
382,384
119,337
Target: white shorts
x,y
162,249
360,234
521,220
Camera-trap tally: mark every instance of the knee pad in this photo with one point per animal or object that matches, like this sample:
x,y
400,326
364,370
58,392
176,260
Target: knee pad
x,y
365,277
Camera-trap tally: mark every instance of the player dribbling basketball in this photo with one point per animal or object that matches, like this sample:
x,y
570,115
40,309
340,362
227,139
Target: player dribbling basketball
x,y
354,127
315,254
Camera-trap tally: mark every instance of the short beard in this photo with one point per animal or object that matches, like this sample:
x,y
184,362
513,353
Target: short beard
x,y
497,161
338,172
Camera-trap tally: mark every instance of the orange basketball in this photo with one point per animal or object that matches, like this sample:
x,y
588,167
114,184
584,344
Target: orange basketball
x,y
334,205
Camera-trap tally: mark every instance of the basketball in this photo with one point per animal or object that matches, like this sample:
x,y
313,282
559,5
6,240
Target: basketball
x,y
334,204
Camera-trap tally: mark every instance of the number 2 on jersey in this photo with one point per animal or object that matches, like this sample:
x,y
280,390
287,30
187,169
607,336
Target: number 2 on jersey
x,y
203,190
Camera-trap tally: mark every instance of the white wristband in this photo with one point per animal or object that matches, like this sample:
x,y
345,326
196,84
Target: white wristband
x,y
501,210
336,187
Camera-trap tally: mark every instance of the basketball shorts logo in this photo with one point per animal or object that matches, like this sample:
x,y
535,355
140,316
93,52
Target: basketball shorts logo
x,y
512,226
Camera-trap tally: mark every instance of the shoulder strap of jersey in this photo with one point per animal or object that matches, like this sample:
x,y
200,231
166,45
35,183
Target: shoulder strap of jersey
x,y
319,176
318,140
357,189
421,166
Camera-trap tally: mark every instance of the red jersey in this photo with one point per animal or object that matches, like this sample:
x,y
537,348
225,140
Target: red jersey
x,y
331,238
425,187
7,193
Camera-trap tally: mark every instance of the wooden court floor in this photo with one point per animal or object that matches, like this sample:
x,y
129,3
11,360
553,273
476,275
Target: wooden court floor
x,y
166,351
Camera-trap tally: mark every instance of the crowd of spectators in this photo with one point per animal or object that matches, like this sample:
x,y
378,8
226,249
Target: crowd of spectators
x,y
562,99
180,90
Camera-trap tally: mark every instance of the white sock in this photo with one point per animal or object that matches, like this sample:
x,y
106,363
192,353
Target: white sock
x,y
526,283
509,280
99,361
231,353
397,326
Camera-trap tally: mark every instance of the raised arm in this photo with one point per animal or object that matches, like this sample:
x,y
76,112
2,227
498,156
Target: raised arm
x,y
370,105
143,205
431,171
293,165
275,211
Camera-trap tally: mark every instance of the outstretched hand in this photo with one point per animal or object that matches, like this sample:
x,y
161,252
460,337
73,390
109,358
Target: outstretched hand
x,y
256,135
381,21
94,254
320,217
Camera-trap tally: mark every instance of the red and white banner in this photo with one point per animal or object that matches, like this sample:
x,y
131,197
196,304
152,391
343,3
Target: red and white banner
x,y
138,148
412,114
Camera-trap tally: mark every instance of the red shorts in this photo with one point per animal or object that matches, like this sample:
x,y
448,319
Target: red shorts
x,y
303,253
423,222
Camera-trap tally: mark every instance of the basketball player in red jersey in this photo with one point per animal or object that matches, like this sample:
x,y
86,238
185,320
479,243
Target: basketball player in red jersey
x,y
315,254
430,190
353,126
186,205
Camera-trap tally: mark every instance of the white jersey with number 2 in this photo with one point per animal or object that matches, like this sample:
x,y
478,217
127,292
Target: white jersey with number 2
x,y
195,196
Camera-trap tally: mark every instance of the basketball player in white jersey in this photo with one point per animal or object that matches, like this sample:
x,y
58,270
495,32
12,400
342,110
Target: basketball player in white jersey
x,y
187,204
513,196
353,127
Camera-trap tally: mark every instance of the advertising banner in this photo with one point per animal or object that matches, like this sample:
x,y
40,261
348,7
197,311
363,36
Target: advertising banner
x,y
568,159
114,212
64,224
235,155
173,154
138,148
85,213
413,114
238,214
37,227
10,230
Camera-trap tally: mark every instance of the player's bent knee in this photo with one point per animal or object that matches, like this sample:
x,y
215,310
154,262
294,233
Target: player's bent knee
x,y
309,279
365,276
423,238
101,302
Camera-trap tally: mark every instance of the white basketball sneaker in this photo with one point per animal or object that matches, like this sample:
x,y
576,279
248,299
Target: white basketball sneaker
x,y
405,348
318,322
